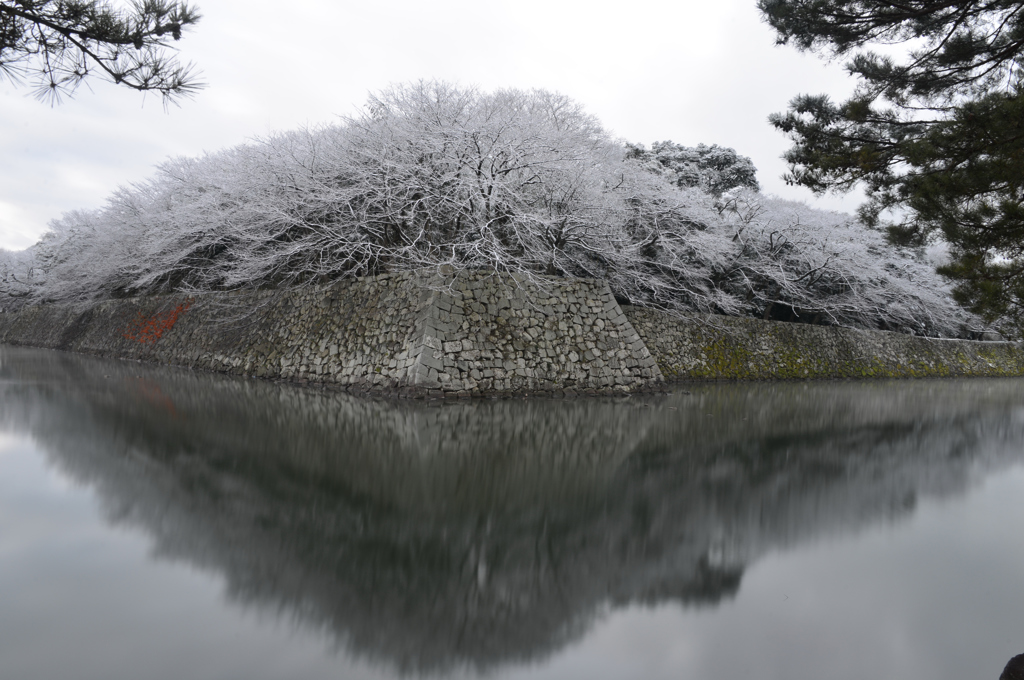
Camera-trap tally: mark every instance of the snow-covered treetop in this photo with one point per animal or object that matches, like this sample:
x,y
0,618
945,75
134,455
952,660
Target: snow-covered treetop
x,y
713,169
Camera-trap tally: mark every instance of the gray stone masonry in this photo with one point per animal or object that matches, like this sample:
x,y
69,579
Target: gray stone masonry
x,y
410,333
733,348
479,333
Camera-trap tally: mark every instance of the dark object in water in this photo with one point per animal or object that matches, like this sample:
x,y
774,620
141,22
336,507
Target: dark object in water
x,y
1014,669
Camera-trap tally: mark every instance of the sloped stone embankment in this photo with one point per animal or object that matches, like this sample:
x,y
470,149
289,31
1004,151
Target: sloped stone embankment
x,y
408,333
475,334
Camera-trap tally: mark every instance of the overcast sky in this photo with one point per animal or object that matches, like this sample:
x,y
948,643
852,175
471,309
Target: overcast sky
x,y
689,71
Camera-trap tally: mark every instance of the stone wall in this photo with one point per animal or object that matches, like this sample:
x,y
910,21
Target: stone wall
x,y
408,333
424,334
733,348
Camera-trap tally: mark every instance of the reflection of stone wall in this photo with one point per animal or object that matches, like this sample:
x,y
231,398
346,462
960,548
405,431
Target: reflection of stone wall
x,y
732,348
438,536
429,456
468,335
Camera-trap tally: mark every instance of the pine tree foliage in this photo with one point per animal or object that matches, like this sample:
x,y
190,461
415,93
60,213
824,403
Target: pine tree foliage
x,y
937,137
58,44
517,182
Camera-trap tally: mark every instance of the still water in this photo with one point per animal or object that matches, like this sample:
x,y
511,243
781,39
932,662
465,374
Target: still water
x,y
157,523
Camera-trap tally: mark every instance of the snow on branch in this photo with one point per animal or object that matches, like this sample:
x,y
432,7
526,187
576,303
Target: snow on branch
x,y
524,182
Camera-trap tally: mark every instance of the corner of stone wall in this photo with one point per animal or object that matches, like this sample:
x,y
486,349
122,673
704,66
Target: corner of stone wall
x,y
647,363
426,347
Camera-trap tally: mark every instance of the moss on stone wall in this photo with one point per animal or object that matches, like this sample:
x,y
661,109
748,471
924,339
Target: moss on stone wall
x,y
730,348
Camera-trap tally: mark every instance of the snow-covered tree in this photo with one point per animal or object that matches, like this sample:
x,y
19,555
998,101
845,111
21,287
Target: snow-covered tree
x,y
713,169
15,278
431,174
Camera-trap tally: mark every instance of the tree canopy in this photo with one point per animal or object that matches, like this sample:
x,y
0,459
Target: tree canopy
x,y
58,44
432,175
713,169
935,136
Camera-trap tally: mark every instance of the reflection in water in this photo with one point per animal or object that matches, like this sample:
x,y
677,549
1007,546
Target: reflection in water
x,y
433,536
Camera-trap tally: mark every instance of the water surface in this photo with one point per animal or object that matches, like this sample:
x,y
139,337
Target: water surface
x,y
158,523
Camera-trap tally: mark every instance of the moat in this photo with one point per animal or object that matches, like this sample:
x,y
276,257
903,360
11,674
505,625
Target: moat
x,y
162,523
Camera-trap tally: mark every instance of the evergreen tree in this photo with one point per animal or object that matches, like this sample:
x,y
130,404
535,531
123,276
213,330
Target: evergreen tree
x,y
713,169
937,137
57,44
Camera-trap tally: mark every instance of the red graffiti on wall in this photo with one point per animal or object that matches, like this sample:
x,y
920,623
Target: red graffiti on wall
x,y
148,330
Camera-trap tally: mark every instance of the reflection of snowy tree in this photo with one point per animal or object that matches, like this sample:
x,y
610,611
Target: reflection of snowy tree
x,y
433,537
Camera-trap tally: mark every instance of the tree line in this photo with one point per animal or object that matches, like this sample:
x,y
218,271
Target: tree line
x,y
522,182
